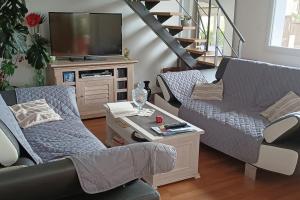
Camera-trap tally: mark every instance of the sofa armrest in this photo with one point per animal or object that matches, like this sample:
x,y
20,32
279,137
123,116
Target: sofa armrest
x,y
52,180
58,181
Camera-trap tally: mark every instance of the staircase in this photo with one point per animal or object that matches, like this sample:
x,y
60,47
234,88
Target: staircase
x,y
192,52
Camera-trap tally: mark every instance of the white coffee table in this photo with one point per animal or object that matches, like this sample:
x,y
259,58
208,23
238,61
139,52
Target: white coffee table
x,y
186,144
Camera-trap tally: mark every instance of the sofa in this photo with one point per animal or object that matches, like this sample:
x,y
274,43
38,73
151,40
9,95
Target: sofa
x,y
234,125
57,180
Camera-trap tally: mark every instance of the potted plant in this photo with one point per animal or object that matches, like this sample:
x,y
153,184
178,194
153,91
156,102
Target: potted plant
x,y
13,41
185,20
37,54
13,35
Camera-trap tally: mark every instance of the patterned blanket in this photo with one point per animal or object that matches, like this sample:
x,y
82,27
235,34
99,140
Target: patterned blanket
x,y
98,168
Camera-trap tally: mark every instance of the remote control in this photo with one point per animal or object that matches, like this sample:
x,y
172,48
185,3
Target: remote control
x,y
174,126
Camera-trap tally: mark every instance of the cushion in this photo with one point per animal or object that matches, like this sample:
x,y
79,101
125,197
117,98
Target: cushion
x,y
33,113
208,91
282,128
61,99
9,147
288,104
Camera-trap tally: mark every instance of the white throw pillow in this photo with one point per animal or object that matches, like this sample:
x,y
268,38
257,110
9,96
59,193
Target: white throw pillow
x,y
33,113
288,104
9,153
208,91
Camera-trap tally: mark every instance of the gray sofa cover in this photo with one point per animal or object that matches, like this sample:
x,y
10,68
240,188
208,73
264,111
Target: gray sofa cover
x,y
234,125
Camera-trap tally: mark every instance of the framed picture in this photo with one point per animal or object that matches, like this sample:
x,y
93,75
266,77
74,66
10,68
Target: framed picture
x,y
69,76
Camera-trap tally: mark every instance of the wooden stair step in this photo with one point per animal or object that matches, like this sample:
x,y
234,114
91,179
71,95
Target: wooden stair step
x,y
179,27
164,16
185,42
206,64
196,51
173,69
174,30
209,59
190,40
167,14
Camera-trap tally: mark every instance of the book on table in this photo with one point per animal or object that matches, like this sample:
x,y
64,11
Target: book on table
x,y
122,109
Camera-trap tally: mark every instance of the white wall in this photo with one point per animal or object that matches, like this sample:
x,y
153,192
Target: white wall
x,y
253,18
143,44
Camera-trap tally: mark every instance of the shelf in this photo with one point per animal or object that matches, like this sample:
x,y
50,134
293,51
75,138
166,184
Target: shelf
x,y
122,73
122,85
121,90
122,79
96,73
122,96
69,83
95,78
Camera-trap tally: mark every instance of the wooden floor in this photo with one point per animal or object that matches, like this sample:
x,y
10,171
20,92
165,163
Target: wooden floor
x,y
221,178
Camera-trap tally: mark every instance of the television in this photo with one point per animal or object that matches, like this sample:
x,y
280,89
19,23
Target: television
x,y
85,34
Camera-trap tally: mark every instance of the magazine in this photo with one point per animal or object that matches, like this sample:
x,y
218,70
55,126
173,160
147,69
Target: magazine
x,y
168,132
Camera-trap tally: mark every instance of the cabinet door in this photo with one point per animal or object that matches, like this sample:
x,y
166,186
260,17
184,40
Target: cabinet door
x,y
92,95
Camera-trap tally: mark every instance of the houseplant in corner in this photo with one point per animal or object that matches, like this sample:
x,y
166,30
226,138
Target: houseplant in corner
x,y
37,54
13,36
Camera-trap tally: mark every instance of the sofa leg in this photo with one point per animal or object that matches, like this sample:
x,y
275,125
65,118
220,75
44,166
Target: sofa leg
x,y
250,171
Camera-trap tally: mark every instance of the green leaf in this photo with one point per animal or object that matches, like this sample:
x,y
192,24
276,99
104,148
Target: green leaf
x,y
37,55
13,34
8,68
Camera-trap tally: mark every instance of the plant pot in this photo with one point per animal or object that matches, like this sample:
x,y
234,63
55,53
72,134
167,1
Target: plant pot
x,y
185,22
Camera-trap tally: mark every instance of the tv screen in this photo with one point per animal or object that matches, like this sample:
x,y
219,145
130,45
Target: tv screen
x,y
84,34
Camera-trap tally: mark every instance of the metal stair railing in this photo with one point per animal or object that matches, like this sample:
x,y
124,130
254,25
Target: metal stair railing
x,y
199,25
219,32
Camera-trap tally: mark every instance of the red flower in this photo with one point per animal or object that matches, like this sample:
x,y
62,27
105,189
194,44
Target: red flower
x,y
33,19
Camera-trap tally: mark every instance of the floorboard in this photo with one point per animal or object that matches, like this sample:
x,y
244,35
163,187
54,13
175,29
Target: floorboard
x,y
221,178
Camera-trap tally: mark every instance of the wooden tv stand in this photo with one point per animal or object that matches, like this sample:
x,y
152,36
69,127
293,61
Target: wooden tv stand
x,y
92,92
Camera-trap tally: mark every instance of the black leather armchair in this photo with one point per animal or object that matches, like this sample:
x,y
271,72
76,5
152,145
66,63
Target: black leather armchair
x,y
58,180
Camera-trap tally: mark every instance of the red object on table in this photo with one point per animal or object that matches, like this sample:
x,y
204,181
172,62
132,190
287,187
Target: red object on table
x,y
159,119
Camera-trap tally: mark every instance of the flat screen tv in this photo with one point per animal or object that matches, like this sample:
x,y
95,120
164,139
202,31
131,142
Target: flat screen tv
x,y
85,34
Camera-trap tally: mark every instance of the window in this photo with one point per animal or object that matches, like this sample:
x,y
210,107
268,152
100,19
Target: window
x,y
286,24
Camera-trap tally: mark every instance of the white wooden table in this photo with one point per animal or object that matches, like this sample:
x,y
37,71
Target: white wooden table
x,y
186,144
